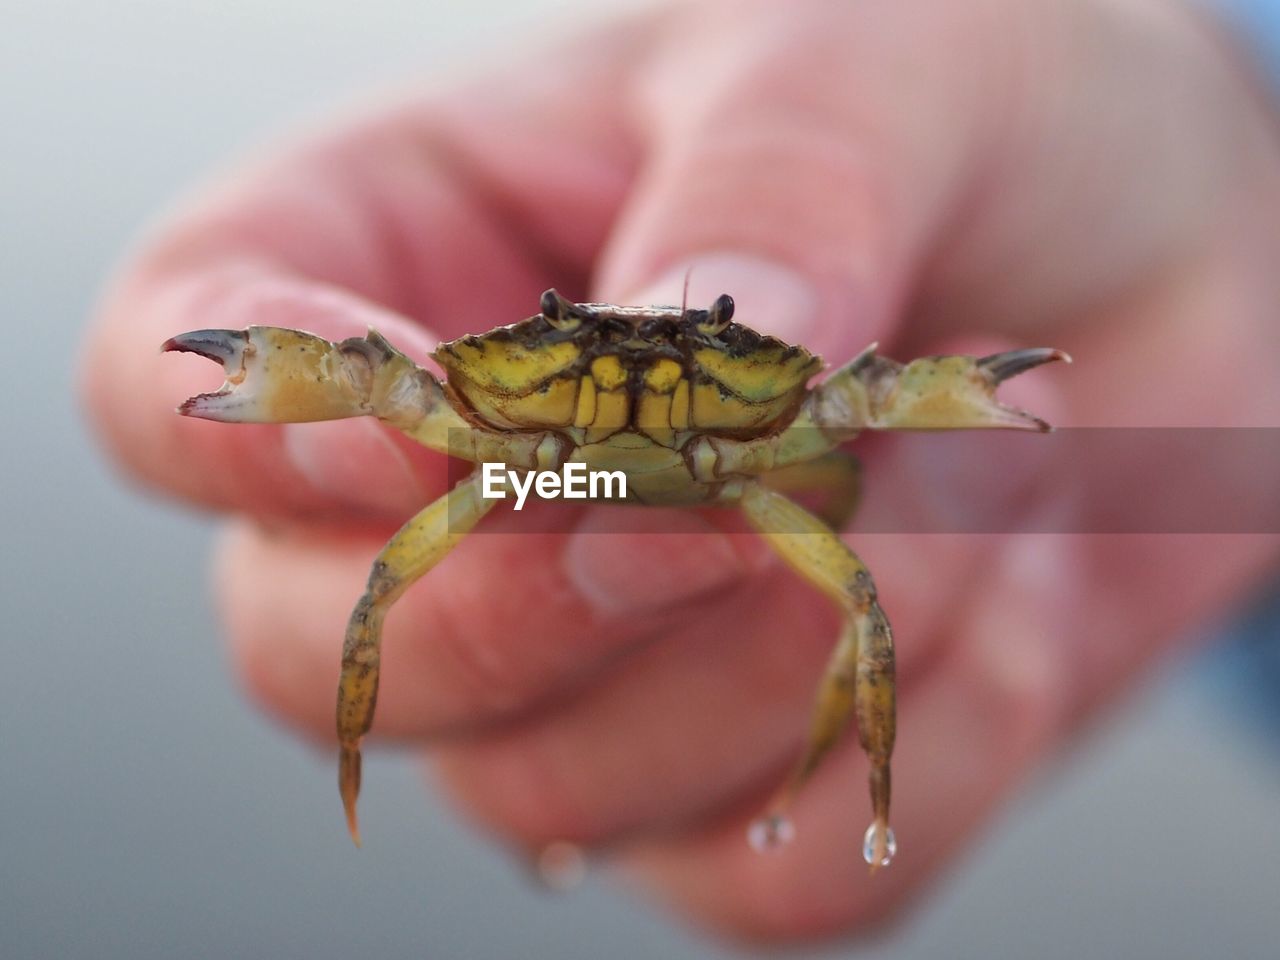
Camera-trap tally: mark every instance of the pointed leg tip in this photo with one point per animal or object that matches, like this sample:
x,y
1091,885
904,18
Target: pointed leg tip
x,y
349,786
353,823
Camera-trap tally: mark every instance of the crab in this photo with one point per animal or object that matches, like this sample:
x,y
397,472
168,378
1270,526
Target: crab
x,y
692,408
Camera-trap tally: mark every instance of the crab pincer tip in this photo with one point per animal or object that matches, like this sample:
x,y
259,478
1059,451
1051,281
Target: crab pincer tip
x,y
220,346
1001,366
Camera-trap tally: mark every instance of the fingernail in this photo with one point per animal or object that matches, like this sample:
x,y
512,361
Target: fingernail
x,y
768,297
627,563
1017,631
968,483
984,481
356,463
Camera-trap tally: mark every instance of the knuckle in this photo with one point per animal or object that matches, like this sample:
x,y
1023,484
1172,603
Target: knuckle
x,y
519,789
255,618
484,671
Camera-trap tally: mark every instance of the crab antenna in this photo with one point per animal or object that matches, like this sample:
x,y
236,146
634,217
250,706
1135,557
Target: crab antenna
x,y
684,297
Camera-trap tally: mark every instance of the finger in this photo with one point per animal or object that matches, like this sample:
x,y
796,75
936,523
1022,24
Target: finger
x,y
703,712
832,187
415,220
710,710
1030,658
713,712
495,629
812,203
967,731
964,734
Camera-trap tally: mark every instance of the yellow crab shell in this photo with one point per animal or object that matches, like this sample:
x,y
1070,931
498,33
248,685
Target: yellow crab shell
x,y
629,386
661,372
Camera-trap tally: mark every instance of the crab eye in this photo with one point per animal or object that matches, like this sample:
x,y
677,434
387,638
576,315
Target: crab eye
x,y
718,317
558,311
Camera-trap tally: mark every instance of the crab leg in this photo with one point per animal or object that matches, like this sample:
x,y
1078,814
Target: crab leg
x,y
874,392
278,375
836,475
859,678
417,547
931,393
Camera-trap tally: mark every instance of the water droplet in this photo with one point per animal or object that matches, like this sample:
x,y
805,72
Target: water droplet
x,y
770,832
561,866
873,839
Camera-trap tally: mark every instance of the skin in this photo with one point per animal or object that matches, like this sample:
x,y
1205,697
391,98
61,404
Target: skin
x,y
1101,175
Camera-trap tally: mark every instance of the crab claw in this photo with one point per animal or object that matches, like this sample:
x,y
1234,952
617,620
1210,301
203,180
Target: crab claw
x,y
277,375
225,347
948,393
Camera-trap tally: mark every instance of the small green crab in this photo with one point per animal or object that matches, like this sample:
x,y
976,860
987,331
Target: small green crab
x,y
691,407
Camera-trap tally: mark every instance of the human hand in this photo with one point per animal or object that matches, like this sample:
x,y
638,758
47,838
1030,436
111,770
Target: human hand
x,y
1096,176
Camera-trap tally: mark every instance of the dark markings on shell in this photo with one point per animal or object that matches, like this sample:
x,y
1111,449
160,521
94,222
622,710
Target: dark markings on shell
x,y
638,338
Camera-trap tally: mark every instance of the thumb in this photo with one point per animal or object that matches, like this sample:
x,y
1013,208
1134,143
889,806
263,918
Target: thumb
x,y
799,174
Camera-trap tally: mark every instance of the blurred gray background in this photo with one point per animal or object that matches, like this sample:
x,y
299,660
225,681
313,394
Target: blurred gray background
x,y
146,810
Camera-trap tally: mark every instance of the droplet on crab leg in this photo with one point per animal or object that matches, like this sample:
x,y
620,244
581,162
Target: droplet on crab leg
x,y
879,845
